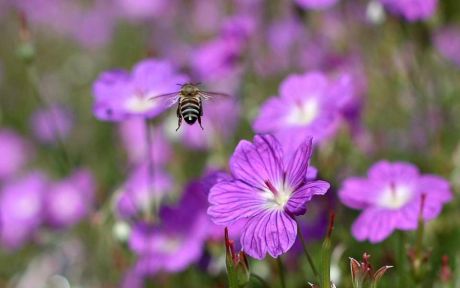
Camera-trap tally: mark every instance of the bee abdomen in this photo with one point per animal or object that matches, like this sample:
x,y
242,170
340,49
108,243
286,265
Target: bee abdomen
x,y
190,111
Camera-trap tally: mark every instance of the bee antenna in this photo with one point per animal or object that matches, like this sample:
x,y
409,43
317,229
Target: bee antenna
x,y
179,84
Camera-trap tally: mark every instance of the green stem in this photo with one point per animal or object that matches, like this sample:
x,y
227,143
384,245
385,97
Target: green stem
x,y
326,264
305,251
33,80
326,254
151,212
401,252
281,271
263,283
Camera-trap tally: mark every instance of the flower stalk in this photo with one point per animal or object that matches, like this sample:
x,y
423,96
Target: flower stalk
x,y
152,211
305,251
326,254
26,52
237,265
417,255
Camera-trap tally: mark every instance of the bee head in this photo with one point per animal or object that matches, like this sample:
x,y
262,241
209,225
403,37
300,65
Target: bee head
x,y
189,89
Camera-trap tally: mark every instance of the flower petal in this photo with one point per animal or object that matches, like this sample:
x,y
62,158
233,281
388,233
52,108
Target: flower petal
x,y
374,225
109,90
296,203
436,188
233,200
357,193
271,116
298,164
396,171
270,231
258,162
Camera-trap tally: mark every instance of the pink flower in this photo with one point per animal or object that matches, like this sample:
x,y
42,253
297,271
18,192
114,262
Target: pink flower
x,y
268,190
390,198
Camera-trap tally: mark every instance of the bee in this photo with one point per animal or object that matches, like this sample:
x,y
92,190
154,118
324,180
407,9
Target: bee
x,y
190,102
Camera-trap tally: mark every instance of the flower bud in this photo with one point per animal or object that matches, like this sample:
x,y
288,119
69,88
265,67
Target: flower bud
x,y
237,265
362,273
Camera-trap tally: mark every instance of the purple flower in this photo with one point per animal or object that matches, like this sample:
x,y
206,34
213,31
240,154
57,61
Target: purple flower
x,y
91,25
447,42
14,152
142,9
217,58
176,242
284,38
196,195
69,200
220,57
119,95
139,192
52,124
268,190
412,10
309,105
316,4
21,209
390,198
133,136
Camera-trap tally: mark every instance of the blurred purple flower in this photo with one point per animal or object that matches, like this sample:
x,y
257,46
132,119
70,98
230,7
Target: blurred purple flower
x,y
14,152
221,56
94,26
176,242
447,42
412,10
309,105
316,4
285,38
139,192
197,195
220,119
69,200
268,190
141,9
390,198
91,25
51,124
119,95
21,209
217,58
207,16
133,136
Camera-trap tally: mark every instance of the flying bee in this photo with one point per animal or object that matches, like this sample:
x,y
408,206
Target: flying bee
x,y
190,102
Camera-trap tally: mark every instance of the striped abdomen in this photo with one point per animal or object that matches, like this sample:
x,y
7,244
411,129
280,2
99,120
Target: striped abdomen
x,y
190,109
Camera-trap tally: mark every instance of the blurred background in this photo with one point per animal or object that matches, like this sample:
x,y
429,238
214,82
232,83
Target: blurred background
x,y
73,188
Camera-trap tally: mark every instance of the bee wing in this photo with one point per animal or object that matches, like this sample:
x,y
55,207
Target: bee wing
x,y
168,99
206,95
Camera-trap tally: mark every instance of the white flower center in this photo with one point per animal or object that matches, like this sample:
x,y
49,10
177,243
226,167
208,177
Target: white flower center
x,y
168,244
27,208
278,198
395,196
139,103
304,112
66,203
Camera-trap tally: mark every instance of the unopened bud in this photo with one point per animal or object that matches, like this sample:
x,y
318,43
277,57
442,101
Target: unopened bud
x,y
25,50
237,265
446,271
362,272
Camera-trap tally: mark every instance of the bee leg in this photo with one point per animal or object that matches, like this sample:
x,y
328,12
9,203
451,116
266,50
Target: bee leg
x,y
179,117
179,122
199,122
